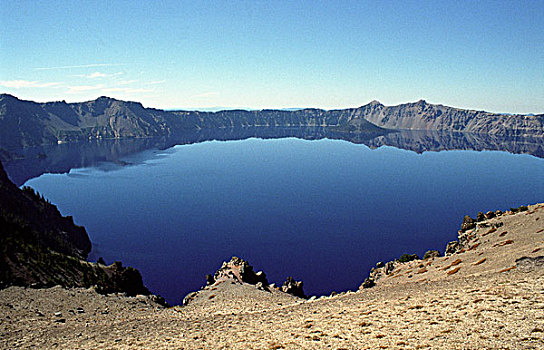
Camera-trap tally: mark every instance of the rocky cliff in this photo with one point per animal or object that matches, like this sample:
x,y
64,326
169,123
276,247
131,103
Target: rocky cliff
x,y
26,123
425,116
42,220
39,247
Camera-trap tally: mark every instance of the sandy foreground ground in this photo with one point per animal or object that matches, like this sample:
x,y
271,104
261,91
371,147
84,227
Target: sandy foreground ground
x,y
480,298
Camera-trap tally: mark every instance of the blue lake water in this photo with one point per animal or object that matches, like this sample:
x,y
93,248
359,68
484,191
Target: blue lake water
x,y
322,211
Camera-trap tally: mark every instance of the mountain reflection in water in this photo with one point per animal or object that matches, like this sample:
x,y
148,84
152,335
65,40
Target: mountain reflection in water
x,y
108,154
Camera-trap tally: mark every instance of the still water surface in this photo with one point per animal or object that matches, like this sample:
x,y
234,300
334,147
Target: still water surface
x,y
324,211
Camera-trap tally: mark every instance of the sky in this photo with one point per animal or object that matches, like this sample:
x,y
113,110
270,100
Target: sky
x,y
485,55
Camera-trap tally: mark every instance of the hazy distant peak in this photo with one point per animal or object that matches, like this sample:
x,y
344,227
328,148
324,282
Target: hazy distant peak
x,y
8,96
375,103
109,102
105,98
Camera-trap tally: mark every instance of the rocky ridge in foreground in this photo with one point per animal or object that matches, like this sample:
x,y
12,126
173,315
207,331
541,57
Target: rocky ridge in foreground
x,y
239,272
486,294
477,238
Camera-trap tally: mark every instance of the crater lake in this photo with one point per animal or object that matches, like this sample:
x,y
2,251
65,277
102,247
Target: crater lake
x,y
317,208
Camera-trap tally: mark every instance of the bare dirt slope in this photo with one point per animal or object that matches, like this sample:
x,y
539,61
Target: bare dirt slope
x,y
479,298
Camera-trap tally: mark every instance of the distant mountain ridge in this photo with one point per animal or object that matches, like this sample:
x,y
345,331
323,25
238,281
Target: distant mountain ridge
x,y
425,116
27,123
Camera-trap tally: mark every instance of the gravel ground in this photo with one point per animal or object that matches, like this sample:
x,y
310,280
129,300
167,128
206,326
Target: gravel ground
x,y
489,302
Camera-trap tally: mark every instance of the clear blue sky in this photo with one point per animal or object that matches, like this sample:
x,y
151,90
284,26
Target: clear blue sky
x,y
275,54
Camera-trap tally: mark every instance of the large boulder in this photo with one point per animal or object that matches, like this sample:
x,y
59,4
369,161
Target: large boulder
x,y
389,267
430,254
528,264
452,248
490,215
468,223
368,283
293,287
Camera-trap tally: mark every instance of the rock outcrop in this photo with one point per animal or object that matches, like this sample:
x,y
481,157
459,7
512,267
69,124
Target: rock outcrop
x,y
452,248
240,271
468,223
468,226
290,286
368,283
389,267
476,237
237,271
528,264
425,116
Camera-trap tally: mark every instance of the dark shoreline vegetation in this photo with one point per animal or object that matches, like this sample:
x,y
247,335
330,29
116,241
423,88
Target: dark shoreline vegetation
x,y
41,248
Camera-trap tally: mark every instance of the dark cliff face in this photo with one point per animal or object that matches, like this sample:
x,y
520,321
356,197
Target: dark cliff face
x,y
23,123
42,220
38,246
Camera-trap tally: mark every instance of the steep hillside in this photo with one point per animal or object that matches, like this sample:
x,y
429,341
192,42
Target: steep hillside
x,y
39,247
424,116
37,216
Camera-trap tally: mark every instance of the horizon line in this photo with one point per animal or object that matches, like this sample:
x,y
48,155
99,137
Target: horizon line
x,y
226,108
